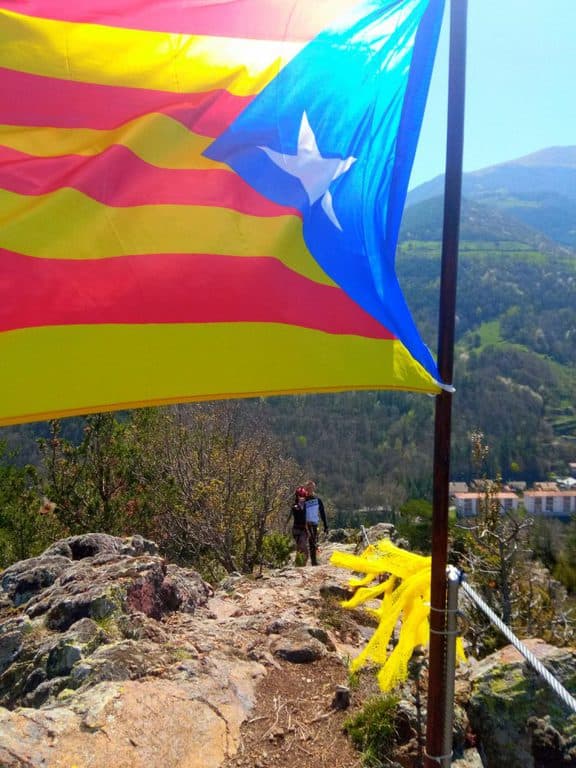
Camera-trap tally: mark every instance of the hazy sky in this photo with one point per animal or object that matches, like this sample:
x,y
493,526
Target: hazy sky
x,y
520,85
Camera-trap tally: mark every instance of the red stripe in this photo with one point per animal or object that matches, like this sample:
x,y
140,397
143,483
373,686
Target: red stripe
x,y
45,101
264,19
172,288
119,178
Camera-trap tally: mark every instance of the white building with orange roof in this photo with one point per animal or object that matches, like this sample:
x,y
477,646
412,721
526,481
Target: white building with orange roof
x,y
550,503
472,504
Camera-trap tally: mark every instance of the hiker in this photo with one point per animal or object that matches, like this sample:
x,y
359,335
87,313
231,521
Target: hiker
x,y
299,528
314,513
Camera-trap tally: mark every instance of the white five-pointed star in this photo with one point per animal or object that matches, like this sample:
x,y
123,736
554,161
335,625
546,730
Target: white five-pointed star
x,y
315,172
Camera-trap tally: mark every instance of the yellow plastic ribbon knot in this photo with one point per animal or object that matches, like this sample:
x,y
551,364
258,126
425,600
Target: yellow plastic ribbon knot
x,y
405,599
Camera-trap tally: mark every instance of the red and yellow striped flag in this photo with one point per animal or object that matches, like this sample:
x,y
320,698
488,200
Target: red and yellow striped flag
x,y
138,266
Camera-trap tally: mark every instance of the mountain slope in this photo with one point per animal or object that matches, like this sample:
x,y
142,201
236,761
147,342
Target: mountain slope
x,y
538,190
515,376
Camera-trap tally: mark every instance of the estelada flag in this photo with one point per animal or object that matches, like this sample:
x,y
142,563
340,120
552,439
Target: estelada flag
x,y
201,199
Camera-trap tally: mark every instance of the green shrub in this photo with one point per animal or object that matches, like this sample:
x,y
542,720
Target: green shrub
x,y
276,549
415,524
565,572
300,559
372,730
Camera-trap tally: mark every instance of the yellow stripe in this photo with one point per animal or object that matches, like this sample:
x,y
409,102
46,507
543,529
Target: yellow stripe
x,y
65,371
139,59
158,139
69,225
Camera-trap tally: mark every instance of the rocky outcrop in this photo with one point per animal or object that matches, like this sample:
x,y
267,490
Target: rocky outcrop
x,y
519,720
109,655
91,673
78,611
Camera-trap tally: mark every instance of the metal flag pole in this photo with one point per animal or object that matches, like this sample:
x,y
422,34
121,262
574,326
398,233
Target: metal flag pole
x,y
440,693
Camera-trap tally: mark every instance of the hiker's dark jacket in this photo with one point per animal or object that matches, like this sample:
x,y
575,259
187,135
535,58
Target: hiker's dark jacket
x,y
299,515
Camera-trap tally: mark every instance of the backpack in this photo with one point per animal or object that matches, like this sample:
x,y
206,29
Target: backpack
x,y
312,511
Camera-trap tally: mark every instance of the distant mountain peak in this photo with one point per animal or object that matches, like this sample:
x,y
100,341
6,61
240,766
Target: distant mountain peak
x,y
538,189
559,157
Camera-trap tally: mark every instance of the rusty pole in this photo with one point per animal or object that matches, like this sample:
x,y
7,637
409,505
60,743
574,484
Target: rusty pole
x,y
440,709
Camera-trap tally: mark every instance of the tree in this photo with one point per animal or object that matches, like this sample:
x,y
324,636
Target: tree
x,y
96,484
415,524
207,482
564,566
222,483
493,550
27,522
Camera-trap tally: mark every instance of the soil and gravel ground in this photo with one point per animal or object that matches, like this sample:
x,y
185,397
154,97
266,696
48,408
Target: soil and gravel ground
x,y
294,723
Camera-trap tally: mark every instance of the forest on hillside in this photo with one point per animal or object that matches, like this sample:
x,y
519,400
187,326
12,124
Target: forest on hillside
x,y
515,373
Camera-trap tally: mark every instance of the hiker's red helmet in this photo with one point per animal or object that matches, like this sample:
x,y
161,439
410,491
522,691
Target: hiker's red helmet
x,y
301,491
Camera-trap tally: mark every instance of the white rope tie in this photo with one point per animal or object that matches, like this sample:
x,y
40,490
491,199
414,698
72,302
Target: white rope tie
x,y
439,758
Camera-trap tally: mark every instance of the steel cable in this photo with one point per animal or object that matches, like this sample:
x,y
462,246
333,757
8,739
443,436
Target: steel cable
x,y
569,700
